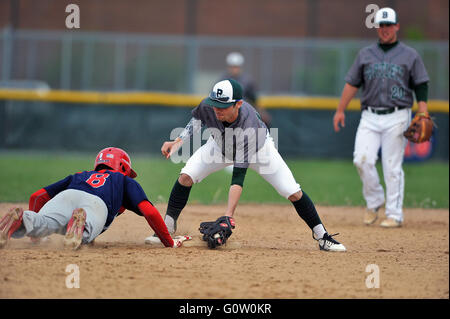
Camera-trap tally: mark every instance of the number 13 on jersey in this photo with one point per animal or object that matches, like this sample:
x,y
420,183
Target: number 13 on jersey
x,y
97,180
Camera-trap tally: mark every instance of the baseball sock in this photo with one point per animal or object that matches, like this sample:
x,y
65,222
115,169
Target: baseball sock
x,y
177,200
307,211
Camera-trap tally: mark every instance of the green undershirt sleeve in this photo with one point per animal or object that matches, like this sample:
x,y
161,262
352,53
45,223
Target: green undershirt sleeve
x,y
421,91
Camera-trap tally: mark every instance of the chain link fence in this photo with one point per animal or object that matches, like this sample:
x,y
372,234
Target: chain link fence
x,y
77,60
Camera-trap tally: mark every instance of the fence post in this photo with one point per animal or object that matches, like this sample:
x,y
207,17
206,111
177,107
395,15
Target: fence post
x,y
66,62
141,67
191,62
31,59
119,64
266,69
7,61
442,89
88,56
341,69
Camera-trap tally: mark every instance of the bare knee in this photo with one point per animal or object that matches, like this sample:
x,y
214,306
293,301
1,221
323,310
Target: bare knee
x,y
296,196
185,180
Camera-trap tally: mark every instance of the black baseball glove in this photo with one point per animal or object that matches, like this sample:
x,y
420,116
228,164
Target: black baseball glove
x,y
217,233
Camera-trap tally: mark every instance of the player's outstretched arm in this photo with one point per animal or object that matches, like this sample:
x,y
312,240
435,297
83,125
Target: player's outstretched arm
x,y
156,222
234,195
348,93
168,148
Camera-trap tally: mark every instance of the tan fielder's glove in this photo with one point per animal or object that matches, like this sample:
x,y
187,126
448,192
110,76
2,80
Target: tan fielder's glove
x,y
420,129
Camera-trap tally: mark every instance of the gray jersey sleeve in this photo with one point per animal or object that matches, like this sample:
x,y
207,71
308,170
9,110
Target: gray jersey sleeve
x,y
194,126
419,73
354,76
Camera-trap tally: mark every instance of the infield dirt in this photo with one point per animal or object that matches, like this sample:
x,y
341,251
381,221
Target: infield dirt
x,y
271,254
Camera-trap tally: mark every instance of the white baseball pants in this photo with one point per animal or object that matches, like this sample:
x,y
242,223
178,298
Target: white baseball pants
x,y
56,213
383,131
267,162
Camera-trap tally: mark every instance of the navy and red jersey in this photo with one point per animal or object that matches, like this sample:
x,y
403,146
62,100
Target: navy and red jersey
x,y
115,189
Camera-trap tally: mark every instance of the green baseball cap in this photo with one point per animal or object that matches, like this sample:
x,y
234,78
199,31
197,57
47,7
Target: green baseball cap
x,y
224,94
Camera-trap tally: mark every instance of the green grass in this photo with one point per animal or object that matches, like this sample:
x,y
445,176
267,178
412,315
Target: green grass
x,y
327,182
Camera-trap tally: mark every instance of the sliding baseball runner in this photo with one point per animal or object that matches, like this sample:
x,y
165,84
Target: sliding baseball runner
x,y
83,205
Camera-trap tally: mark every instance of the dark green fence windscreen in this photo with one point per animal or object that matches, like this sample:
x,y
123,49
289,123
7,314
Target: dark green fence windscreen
x,y
51,126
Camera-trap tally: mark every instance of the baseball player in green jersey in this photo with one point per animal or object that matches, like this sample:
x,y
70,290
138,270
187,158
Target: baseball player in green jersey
x,y
389,73
240,138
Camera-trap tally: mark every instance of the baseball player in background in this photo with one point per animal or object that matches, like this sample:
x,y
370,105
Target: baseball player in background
x,y
235,62
389,72
240,138
83,205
